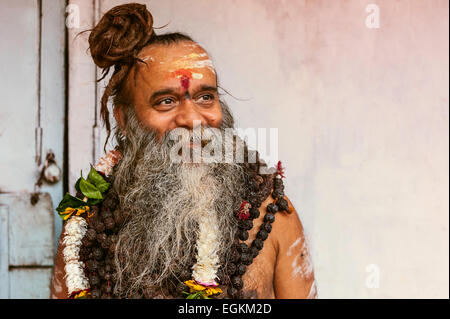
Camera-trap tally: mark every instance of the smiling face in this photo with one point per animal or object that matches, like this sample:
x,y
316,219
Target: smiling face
x,y
175,87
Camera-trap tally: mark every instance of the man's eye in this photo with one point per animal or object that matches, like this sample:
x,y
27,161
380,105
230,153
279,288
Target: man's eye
x,y
165,104
166,101
205,98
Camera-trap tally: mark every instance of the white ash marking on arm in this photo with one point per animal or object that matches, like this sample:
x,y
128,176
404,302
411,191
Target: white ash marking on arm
x,y
312,291
302,263
295,244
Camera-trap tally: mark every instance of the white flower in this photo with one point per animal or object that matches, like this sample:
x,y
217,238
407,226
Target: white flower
x,y
106,163
75,279
205,269
75,229
71,253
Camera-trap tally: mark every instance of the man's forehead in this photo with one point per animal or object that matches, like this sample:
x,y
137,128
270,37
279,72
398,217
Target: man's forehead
x,y
164,63
187,54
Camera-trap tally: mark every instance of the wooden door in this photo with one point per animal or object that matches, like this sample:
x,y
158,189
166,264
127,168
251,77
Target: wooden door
x,y
32,88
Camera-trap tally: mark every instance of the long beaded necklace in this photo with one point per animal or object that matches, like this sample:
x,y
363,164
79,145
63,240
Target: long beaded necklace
x,y
243,255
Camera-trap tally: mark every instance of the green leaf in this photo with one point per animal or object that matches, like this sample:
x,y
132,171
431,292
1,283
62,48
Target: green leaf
x,y
69,201
89,190
95,178
77,184
196,295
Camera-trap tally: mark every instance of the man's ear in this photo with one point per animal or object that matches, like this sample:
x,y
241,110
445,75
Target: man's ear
x,y
119,115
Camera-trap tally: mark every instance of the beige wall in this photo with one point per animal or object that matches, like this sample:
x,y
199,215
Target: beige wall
x,y
363,126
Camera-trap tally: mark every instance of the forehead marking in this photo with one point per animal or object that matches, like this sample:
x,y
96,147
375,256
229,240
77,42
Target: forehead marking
x,y
197,76
183,67
184,75
194,61
185,72
184,82
148,57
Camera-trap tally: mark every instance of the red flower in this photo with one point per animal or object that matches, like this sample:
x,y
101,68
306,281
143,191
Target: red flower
x,y
244,213
280,170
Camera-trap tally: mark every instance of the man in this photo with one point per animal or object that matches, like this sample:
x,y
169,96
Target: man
x,y
168,229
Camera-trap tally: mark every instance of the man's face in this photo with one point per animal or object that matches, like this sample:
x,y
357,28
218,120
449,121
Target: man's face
x,y
176,87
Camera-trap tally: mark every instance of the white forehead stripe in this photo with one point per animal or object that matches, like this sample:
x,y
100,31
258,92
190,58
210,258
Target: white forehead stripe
x,y
203,64
199,64
197,76
195,55
148,57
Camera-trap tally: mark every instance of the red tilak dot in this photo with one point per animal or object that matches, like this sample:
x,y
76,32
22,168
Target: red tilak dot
x,y
185,82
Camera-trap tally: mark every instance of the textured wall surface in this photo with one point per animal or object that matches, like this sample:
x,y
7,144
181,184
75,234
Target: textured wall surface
x,y
363,126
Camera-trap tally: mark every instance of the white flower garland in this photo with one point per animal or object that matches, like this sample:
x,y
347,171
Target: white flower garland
x,y
205,269
75,229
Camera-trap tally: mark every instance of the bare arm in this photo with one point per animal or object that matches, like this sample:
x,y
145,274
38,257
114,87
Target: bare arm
x,y
294,275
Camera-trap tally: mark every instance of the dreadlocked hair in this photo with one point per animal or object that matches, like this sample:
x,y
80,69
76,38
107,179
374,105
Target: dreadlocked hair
x,y
116,41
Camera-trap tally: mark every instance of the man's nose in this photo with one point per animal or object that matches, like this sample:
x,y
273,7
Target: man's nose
x,y
187,114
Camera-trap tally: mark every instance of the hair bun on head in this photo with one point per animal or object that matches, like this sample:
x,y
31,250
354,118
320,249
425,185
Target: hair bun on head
x,y
115,41
120,34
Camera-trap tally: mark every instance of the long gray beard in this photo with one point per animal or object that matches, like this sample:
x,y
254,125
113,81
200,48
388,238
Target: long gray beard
x,y
166,200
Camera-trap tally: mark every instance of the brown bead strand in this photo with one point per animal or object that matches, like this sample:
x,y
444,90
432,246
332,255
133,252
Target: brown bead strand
x,y
261,189
97,249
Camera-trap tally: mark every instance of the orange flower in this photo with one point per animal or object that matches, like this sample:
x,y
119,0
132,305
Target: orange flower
x,y
82,294
195,287
69,211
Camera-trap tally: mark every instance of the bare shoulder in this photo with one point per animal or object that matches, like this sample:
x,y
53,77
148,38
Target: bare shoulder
x,y
287,225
